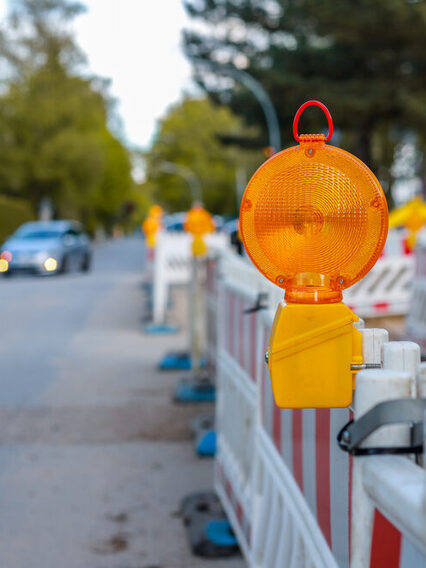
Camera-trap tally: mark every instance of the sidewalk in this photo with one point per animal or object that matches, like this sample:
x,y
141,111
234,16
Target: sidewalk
x,y
93,470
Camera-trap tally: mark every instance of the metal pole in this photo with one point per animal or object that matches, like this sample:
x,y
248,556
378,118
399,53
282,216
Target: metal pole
x,y
187,174
258,91
195,293
197,319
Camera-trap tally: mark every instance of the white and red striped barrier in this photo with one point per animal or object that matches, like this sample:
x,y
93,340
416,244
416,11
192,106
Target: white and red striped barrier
x,y
285,484
386,290
173,265
397,244
416,319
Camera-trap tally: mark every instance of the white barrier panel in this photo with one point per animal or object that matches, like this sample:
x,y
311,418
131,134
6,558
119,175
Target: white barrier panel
x,y
385,290
396,243
285,484
416,319
172,265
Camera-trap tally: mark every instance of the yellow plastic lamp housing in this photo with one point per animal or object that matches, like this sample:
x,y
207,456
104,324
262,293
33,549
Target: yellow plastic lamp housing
x,y
314,221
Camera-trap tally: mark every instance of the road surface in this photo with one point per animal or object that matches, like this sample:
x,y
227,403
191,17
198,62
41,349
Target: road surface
x,y
94,458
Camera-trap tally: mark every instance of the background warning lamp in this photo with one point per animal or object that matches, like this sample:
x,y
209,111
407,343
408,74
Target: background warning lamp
x,y
314,221
198,222
155,211
150,227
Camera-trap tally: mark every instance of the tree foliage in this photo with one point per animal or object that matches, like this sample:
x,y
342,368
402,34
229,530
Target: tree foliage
x,y
189,135
365,59
54,138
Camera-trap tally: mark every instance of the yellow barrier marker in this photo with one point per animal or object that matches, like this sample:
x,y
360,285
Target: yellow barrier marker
x,y
314,221
412,215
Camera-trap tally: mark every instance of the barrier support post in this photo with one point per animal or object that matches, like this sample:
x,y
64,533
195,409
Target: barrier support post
x,y
395,380
196,309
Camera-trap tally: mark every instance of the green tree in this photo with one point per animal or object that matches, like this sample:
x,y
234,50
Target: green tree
x,y
189,135
54,139
366,60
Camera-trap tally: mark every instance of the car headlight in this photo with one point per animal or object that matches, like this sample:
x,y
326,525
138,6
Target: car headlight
x,y
50,264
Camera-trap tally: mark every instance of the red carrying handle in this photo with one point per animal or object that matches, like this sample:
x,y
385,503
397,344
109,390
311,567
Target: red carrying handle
x,y
326,112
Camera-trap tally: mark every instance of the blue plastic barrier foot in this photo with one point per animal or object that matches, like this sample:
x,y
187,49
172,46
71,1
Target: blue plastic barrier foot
x,y
195,390
220,533
178,361
175,361
206,444
160,329
209,531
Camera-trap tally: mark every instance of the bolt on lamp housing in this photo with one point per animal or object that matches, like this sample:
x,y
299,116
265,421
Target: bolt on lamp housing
x,y
314,221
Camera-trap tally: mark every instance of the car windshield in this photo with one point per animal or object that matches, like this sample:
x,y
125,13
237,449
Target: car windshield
x,y
38,234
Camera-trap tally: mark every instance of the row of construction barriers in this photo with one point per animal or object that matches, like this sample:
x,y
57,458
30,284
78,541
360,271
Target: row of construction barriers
x,y
294,497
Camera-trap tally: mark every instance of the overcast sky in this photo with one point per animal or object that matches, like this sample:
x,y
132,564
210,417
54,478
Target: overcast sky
x,y
136,43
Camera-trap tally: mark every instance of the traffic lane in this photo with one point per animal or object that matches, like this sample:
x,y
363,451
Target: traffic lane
x,y
41,316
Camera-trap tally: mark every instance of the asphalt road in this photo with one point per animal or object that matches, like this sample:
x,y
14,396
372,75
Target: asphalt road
x,y
94,458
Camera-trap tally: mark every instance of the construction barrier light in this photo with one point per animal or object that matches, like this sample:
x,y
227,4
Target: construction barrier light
x,y
314,221
412,215
152,225
155,211
198,222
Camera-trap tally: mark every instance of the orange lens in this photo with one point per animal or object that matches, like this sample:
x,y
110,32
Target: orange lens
x,y
155,211
198,221
150,226
314,220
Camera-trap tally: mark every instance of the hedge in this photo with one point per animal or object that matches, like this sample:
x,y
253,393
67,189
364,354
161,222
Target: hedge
x,y
13,212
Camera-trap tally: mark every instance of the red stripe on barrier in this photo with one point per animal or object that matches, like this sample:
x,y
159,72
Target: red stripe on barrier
x,y
253,346
231,322
379,306
322,459
228,489
297,446
239,513
350,470
276,427
236,505
263,386
241,332
406,247
386,543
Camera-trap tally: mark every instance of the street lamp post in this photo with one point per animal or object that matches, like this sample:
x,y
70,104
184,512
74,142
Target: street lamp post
x,y
258,91
188,175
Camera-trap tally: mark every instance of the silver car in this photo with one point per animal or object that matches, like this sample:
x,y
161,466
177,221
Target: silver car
x,y
46,247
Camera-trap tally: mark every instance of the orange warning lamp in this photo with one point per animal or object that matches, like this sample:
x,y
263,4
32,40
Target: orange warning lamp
x,y
150,227
155,211
198,222
314,221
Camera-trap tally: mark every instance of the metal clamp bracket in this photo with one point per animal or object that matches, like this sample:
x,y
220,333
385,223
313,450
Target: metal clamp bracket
x,y
259,305
404,410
